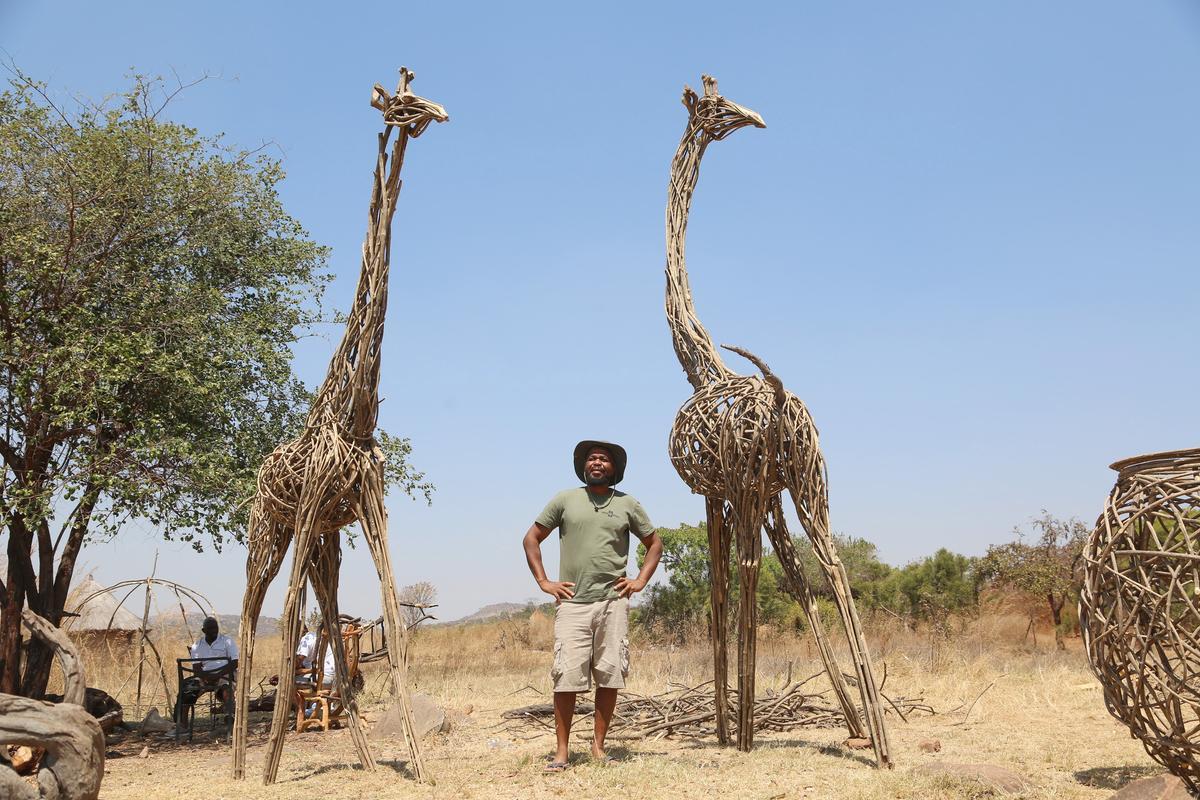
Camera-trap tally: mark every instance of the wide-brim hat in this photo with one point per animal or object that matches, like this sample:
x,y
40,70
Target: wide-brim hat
x,y
617,452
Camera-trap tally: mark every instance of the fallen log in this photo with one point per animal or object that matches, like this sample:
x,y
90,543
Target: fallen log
x,y
73,763
544,710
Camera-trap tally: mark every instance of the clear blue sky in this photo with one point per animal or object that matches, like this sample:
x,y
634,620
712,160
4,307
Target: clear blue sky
x,y
967,239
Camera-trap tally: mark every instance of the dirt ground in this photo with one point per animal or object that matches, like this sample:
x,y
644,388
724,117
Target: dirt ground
x,y
1039,714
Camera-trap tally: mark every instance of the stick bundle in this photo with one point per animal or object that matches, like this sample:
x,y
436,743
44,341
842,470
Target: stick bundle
x,y
691,712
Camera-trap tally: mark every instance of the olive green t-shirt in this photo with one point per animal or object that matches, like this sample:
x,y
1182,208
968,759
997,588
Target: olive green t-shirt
x,y
593,539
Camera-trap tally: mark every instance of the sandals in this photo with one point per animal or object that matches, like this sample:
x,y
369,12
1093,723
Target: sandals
x,y
555,766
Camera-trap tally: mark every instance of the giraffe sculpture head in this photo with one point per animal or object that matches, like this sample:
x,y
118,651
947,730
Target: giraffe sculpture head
x,y
715,115
405,109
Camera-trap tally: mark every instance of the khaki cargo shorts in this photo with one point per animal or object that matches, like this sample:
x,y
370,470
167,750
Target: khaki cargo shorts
x,y
591,641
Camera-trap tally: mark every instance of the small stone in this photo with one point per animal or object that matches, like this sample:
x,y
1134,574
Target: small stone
x,y
988,775
930,745
857,743
145,752
1159,787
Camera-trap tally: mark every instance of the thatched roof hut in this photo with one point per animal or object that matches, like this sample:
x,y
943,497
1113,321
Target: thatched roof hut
x,y
102,615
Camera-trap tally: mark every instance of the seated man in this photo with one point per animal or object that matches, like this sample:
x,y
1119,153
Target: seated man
x,y
307,650
215,673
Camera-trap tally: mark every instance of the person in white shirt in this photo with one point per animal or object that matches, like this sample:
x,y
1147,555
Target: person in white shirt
x,y
307,650
217,670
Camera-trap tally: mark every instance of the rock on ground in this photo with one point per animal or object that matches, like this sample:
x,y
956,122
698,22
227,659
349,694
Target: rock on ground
x,y
428,716
154,723
1160,787
993,777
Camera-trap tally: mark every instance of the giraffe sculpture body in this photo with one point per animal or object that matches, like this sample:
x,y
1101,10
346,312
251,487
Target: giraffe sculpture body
x,y
741,441
331,475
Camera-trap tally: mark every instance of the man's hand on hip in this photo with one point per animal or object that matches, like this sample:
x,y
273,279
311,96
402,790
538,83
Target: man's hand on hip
x,y
559,590
626,587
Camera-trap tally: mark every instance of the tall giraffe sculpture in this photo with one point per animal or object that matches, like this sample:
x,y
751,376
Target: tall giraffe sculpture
x,y
331,475
741,441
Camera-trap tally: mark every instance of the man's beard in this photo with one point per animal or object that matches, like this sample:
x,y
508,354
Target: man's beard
x,y
595,480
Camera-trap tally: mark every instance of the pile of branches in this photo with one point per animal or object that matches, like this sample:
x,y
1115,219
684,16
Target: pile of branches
x,y
690,712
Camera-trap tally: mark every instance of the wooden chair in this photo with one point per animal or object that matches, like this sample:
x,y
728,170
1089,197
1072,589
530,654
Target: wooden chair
x,y
326,702
190,672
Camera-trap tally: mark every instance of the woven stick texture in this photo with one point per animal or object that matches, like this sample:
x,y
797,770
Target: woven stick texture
x,y
331,475
741,441
1140,606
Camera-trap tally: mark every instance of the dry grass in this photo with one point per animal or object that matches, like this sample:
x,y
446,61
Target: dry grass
x,y
1039,713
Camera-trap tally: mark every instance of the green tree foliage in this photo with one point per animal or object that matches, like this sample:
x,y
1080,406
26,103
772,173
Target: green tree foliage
x,y
930,589
925,590
151,288
1048,567
682,601
868,575
934,587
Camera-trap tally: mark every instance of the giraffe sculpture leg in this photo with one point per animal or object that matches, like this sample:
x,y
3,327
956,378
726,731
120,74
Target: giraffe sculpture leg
x,y
262,566
718,560
287,667
839,582
374,525
801,592
323,574
748,531
308,512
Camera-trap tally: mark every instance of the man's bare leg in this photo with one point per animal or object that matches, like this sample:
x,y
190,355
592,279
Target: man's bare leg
x,y
606,705
564,713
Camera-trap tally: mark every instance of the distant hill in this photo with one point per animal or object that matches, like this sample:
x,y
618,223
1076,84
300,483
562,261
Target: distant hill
x,y
229,623
493,611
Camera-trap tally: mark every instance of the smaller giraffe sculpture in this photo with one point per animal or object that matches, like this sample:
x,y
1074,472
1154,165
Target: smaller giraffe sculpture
x,y
331,475
741,441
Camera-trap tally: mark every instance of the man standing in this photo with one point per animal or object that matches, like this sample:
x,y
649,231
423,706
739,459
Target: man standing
x,y
592,621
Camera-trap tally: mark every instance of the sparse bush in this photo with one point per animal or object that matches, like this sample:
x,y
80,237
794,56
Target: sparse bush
x,y
512,633
541,630
1049,569
417,596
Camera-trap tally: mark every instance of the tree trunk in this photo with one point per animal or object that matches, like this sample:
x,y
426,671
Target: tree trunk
x,y
10,623
1056,608
52,591
38,662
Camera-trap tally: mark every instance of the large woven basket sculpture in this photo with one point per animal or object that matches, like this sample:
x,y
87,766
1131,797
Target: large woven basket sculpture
x,y
1140,606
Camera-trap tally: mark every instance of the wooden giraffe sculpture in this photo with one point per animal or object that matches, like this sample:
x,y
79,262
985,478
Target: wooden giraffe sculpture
x,y
740,441
332,474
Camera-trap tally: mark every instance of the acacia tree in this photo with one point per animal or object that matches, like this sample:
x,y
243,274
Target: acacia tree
x,y
151,287
1050,567
417,596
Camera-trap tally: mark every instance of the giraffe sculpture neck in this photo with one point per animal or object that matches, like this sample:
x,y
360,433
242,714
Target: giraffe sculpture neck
x,y
693,346
349,395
